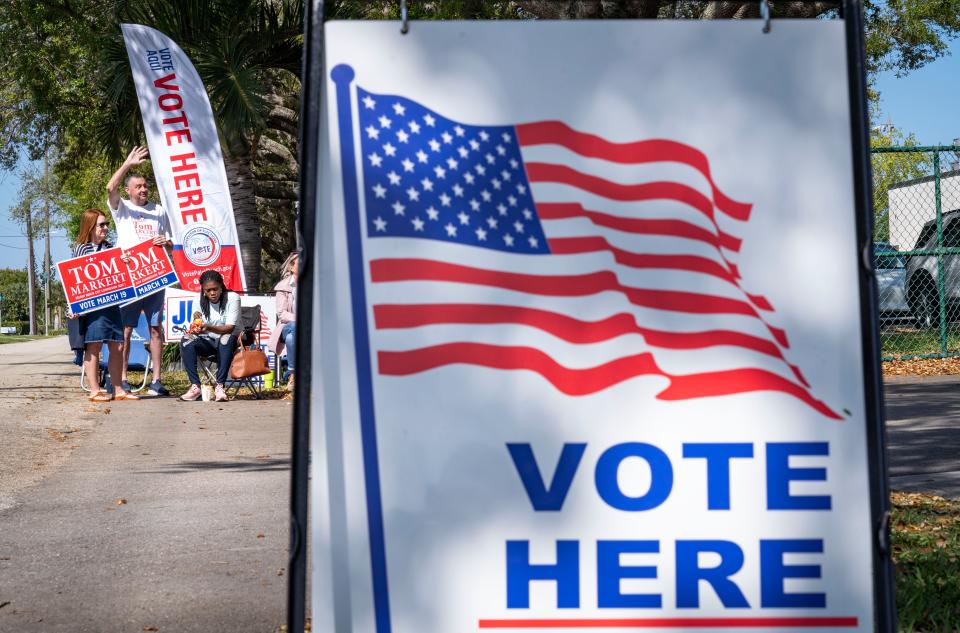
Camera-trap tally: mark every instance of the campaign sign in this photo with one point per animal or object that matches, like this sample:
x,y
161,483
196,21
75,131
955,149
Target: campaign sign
x,y
96,281
150,269
577,369
178,308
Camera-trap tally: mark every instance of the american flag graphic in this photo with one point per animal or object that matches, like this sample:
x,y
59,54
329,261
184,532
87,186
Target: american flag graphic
x,y
538,247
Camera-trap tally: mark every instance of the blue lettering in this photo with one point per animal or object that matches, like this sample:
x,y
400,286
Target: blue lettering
x,y
520,573
541,498
773,572
718,458
610,571
689,573
661,476
779,476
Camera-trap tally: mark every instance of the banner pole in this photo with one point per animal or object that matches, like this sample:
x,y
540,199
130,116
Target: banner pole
x,y
311,82
883,580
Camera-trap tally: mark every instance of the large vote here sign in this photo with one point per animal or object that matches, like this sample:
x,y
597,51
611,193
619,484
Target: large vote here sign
x,y
582,364
104,278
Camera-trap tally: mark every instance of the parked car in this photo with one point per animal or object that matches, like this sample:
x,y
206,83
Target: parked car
x,y
890,269
923,273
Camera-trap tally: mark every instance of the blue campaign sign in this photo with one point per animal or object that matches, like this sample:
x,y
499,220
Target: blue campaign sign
x,y
571,377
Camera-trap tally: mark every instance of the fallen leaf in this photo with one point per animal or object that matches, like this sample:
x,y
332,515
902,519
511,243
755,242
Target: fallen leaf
x,y
3,604
262,457
121,502
280,571
107,410
261,535
150,627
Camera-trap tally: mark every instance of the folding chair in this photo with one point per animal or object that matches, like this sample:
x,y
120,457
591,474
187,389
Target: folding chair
x,y
247,330
139,358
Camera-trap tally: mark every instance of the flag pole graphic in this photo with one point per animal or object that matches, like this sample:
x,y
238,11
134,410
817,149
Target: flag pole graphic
x,y
343,76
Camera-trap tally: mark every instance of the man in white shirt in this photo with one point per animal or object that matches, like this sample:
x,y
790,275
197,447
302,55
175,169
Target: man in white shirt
x,y
138,220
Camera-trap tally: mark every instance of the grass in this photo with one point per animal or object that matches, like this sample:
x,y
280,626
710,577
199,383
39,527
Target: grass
x,y
899,341
178,383
20,338
925,534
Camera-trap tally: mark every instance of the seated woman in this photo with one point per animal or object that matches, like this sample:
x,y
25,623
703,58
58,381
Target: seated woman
x,y
220,311
103,325
285,332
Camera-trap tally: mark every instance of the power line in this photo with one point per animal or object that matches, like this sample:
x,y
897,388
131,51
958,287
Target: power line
x,y
19,248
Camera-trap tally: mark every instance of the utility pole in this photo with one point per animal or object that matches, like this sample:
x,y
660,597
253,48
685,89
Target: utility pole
x,y
31,273
46,243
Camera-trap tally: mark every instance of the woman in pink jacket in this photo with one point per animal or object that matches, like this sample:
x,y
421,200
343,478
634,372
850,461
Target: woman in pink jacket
x,y
285,332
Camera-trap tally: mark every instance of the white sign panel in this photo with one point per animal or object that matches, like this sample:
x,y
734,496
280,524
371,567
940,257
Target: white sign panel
x,y
180,306
589,357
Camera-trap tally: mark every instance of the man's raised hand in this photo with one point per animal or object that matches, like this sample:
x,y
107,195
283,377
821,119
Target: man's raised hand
x,y
137,155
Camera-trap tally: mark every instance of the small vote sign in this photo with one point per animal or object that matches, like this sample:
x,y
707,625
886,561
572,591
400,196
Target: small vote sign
x,y
103,279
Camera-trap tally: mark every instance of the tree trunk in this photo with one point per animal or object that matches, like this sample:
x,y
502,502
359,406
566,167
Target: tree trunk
x,y
241,181
46,243
31,280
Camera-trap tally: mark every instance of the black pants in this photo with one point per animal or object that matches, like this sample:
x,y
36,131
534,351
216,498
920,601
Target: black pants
x,y
204,346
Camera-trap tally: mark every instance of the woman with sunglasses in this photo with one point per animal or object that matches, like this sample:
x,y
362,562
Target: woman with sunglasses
x,y
104,325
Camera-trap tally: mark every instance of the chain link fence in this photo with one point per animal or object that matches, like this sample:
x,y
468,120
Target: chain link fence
x,y
916,237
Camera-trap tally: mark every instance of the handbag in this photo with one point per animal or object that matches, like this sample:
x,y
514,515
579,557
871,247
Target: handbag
x,y
247,363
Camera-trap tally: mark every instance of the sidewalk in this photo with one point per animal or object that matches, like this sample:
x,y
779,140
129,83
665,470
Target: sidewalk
x,y
137,516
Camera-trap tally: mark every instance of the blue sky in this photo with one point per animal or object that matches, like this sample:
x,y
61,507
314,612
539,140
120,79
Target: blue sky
x,y
923,102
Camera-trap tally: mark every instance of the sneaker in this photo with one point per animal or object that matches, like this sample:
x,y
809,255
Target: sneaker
x,y
290,383
192,393
221,394
125,385
157,389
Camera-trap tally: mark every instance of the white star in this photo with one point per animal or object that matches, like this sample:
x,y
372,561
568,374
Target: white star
x,y
427,184
480,169
384,121
481,234
398,208
414,127
458,191
434,145
440,171
394,178
444,200
464,218
505,137
508,239
389,149
490,159
446,137
463,151
533,242
521,188
379,191
458,130
380,223
402,136
468,177
451,230
505,175
492,222
372,132
429,120
495,183
484,135
375,159
452,163
501,150
474,204
369,102
474,144
421,156
413,194
513,163
432,213
502,209
417,224
399,109
407,164
485,195
512,201
527,214
518,226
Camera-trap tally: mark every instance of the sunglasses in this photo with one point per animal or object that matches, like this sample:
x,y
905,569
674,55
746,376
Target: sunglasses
x,y
102,224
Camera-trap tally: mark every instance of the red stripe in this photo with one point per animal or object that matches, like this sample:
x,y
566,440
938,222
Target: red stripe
x,y
579,382
673,623
547,172
673,228
656,150
386,270
569,329
689,263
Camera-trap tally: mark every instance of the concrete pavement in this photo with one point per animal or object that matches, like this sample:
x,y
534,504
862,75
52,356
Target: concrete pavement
x,y
156,515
